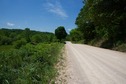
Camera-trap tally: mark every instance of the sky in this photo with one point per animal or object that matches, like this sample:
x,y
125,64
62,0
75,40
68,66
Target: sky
x,y
40,15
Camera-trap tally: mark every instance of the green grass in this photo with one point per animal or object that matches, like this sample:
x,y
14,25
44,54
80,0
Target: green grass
x,y
5,47
31,64
121,47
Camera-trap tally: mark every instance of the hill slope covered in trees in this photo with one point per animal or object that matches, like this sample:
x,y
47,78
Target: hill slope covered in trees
x,y
15,36
102,23
28,57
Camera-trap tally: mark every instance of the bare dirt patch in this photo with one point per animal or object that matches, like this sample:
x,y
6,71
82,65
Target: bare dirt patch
x,y
62,67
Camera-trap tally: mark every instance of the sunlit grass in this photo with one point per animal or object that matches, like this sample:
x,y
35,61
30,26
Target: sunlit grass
x,y
5,47
31,64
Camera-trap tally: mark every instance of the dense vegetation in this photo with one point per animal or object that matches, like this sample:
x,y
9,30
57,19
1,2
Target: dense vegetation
x,y
61,33
28,57
102,23
18,37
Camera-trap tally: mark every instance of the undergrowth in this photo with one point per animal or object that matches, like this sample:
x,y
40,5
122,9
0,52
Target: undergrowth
x,y
31,64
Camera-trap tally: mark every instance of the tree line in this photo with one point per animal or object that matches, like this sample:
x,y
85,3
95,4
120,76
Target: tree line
x,y
29,57
101,21
18,37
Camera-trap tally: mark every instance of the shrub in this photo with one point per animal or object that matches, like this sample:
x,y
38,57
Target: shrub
x,y
19,43
31,64
5,40
36,38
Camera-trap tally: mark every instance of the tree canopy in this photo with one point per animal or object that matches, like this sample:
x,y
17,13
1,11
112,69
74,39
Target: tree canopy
x,y
60,33
76,35
19,37
103,19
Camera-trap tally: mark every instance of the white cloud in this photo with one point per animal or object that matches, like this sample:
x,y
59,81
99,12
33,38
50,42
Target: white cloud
x,y
10,24
55,8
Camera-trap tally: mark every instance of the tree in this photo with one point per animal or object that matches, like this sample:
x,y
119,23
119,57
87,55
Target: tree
x,y
103,19
60,33
76,35
19,43
4,40
36,38
27,34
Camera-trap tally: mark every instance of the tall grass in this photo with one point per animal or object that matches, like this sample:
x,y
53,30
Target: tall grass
x,y
5,47
31,64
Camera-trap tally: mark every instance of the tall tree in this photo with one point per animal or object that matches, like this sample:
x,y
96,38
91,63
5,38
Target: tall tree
x,y
105,18
76,35
60,33
36,38
27,34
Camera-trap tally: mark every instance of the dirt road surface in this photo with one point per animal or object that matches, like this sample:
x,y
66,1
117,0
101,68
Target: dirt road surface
x,y
92,65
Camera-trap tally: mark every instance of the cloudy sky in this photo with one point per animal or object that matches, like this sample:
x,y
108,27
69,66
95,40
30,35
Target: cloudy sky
x,y
40,15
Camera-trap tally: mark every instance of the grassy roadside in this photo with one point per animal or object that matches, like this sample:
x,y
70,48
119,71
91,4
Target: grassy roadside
x,y
31,64
5,47
118,46
108,44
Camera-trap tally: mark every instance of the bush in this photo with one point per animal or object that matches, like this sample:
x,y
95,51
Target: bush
x,y
36,38
5,40
19,43
120,47
31,64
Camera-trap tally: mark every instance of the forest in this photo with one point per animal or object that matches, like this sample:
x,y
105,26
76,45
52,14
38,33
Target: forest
x,y
28,57
101,23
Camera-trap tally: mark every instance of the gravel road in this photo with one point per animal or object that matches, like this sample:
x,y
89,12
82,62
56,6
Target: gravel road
x,y
92,65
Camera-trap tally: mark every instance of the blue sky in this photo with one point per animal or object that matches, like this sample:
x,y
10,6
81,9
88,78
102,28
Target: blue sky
x,y
40,15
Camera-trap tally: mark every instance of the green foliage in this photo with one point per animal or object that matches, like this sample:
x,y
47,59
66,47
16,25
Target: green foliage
x,y
4,40
60,33
6,48
11,36
27,34
103,19
121,47
31,64
19,43
76,35
27,57
36,38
